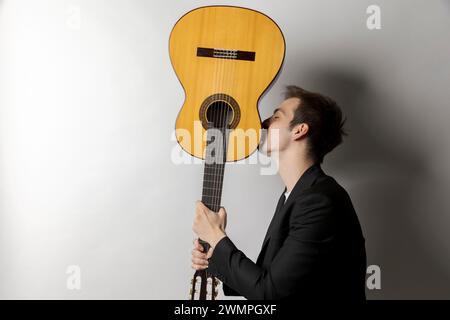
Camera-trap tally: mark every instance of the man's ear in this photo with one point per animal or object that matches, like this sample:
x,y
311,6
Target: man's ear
x,y
300,130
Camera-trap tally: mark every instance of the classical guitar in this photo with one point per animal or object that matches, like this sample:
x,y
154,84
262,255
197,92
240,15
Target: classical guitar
x,y
225,57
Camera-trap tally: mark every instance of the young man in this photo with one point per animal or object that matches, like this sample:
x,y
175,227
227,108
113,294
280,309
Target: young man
x,y
314,247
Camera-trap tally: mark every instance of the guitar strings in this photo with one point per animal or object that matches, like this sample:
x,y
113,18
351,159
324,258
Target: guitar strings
x,y
229,76
214,181
223,113
223,121
220,104
210,160
209,180
212,123
216,116
220,156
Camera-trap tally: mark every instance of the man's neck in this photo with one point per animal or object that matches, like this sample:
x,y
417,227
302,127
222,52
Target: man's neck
x,y
291,167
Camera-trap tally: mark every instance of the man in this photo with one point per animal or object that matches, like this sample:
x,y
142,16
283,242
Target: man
x,y
314,247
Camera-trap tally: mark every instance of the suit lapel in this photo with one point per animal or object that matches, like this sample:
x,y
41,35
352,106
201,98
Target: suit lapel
x,y
278,208
306,180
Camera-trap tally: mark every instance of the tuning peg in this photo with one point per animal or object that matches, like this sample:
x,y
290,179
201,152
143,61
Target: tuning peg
x,y
216,282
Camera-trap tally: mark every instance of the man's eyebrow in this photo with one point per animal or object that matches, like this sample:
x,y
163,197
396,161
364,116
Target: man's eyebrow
x,y
278,109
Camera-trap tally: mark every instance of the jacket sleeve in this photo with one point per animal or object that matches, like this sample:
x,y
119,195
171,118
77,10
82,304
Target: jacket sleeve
x,y
311,226
228,291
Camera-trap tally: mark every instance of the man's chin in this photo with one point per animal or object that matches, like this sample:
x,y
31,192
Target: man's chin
x,y
263,149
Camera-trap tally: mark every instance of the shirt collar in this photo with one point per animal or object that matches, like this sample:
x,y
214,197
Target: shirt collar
x,y
306,180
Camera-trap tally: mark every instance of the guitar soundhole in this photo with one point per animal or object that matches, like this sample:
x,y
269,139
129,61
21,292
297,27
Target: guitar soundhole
x,y
219,114
221,110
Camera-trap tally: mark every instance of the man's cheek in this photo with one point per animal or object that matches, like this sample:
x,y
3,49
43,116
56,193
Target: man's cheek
x,y
273,139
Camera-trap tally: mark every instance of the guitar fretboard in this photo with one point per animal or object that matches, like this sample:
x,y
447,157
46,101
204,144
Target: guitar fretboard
x,y
214,170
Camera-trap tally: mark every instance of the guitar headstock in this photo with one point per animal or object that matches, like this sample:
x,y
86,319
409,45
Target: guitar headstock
x,y
204,286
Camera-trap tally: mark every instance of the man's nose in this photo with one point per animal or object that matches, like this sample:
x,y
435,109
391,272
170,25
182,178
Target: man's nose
x,y
266,123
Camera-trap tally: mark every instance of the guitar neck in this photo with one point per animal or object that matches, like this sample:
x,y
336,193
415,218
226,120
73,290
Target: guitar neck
x,y
213,172
212,185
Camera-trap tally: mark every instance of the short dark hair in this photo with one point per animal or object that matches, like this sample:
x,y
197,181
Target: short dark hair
x,y
324,118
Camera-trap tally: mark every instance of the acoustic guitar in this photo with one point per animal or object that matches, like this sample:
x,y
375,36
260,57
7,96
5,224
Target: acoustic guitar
x,y
225,58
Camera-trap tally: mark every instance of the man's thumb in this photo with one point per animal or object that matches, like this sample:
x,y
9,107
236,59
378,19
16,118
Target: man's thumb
x,y
222,213
223,217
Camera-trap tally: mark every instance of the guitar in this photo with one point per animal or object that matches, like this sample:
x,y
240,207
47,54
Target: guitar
x,y
225,58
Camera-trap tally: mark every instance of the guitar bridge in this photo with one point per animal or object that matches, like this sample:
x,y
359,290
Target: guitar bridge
x,y
225,54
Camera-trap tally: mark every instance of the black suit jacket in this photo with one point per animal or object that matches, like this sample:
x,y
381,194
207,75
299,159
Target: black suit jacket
x,y
313,249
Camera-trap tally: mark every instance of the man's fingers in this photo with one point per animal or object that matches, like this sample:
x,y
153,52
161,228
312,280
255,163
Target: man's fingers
x,y
198,267
198,254
198,245
201,262
199,258
200,205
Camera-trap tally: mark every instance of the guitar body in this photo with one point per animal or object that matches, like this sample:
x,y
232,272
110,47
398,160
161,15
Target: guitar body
x,y
224,55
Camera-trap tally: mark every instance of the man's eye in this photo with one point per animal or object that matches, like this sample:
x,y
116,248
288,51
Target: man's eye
x,y
276,117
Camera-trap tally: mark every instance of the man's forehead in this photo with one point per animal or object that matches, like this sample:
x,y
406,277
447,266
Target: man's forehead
x,y
289,104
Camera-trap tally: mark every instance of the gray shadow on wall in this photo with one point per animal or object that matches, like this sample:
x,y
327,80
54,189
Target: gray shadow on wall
x,y
408,269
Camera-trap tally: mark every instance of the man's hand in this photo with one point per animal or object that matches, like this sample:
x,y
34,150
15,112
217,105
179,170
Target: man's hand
x,y
200,259
208,225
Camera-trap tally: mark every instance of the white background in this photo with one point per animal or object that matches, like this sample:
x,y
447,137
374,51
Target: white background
x,y
88,102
